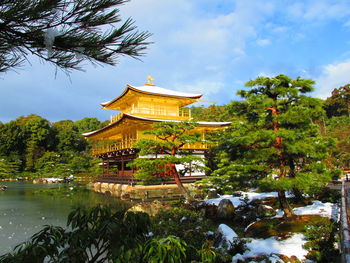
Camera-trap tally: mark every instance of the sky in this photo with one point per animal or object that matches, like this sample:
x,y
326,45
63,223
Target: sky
x,y
200,46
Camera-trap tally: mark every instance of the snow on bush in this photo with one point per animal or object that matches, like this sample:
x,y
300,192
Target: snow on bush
x,y
239,200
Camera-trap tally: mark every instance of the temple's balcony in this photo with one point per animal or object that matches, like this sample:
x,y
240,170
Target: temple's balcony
x,y
196,146
130,143
112,147
183,114
116,117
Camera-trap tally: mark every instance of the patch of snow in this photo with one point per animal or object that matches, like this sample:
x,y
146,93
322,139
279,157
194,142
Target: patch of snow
x,y
267,206
329,210
238,200
159,90
183,219
275,259
49,39
229,236
237,257
279,213
292,246
197,122
53,179
105,103
252,223
79,52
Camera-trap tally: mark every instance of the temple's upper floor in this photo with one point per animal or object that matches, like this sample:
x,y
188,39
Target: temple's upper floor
x,y
150,101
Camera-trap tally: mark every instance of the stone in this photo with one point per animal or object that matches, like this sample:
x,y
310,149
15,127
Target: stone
x,y
212,193
151,208
265,211
210,211
226,210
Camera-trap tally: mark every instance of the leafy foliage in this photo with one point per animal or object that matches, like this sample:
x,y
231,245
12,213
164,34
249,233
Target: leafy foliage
x,y
99,235
339,128
66,32
7,169
35,145
211,113
191,227
95,235
170,249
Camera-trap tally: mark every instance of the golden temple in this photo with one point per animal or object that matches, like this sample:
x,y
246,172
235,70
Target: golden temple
x,y
140,107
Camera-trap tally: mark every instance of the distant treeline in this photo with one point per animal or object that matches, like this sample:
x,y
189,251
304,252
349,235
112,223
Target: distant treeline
x,y
34,145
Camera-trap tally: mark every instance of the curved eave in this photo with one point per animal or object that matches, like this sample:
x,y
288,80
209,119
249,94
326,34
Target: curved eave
x,y
105,105
133,117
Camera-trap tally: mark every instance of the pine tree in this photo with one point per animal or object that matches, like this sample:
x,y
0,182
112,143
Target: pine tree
x,y
66,33
277,140
165,148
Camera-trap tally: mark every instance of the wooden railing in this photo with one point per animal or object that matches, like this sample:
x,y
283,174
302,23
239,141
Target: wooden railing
x,y
344,224
116,117
195,146
184,114
126,144
120,145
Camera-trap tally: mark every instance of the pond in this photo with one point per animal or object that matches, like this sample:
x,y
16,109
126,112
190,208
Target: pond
x,y
26,207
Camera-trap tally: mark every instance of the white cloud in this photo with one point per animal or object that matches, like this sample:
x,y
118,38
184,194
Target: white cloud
x,y
333,76
317,10
263,42
206,87
191,41
280,29
199,46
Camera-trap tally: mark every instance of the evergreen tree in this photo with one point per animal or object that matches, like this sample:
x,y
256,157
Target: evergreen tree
x,y
166,152
277,139
339,128
339,103
66,32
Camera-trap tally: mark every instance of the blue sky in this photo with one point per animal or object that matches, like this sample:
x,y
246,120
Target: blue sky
x,y
201,46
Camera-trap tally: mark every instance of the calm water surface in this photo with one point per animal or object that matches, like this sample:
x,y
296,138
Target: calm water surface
x,y
26,207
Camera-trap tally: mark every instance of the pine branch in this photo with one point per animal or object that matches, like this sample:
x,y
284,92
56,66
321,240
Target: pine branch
x,y
76,27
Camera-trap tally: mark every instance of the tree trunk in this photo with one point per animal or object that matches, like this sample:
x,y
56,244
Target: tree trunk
x,y
297,193
179,184
287,210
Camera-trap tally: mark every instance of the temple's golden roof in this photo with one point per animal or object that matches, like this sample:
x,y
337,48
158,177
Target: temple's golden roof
x,y
132,117
154,91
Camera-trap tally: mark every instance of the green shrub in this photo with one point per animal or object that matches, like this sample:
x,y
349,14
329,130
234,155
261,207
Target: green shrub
x,y
190,226
321,237
336,173
326,194
95,235
169,249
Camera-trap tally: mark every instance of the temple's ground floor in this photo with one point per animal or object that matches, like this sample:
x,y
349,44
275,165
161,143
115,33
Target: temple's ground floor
x,y
145,192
